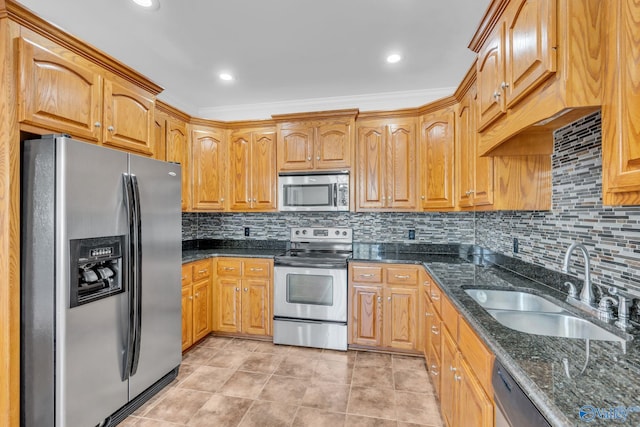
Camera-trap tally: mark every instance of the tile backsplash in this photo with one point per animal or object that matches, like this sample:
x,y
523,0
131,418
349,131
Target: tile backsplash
x,y
612,234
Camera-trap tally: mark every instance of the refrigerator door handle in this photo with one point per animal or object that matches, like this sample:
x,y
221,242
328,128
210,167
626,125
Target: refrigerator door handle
x,y
137,273
129,277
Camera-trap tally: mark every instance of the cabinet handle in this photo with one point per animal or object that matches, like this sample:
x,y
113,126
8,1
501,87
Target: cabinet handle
x,y
435,296
400,276
457,377
427,314
379,299
190,297
228,268
203,271
309,158
452,369
434,330
237,289
198,294
364,275
496,95
255,269
97,124
246,289
504,85
434,371
111,128
425,283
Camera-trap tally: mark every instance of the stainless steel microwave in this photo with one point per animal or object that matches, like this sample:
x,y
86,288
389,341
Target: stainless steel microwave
x,y
326,191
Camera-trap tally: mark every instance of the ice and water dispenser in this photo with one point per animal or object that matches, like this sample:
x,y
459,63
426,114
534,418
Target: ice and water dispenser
x,y
97,266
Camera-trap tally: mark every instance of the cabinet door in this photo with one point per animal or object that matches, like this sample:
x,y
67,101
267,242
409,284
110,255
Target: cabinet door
x,y
371,168
482,178
256,315
428,322
201,309
448,382
295,148
436,160
400,317
240,172
160,135
366,315
333,146
530,54
59,93
178,152
128,118
187,317
475,408
208,169
401,166
465,153
263,171
490,77
228,304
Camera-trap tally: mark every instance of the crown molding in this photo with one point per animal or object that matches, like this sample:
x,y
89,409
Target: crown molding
x,y
386,101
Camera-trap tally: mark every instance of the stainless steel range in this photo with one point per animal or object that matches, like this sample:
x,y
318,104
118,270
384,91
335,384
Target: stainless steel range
x,y
310,288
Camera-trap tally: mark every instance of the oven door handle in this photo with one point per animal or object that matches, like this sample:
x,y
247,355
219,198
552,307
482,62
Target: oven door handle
x,y
319,264
296,320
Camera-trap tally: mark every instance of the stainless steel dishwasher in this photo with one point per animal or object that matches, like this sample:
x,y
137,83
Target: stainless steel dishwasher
x,y
513,407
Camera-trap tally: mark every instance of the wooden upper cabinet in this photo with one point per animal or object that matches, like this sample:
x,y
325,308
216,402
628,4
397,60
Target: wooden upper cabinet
x,y
530,51
437,160
59,91
490,77
160,134
295,148
621,107
208,168
474,173
252,168
316,141
128,118
386,165
177,149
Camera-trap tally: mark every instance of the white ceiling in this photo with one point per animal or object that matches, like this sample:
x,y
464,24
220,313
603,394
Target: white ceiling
x,y
287,55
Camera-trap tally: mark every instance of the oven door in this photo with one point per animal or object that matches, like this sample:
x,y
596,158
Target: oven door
x,y
310,293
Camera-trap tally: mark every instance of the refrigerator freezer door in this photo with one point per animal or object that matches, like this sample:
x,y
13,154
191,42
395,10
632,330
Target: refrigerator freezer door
x,y
159,338
90,337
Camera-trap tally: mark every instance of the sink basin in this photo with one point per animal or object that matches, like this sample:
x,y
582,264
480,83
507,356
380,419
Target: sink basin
x,y
552,324
512,300
533,314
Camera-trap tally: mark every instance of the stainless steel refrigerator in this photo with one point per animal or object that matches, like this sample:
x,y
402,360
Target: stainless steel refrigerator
x,y
101,298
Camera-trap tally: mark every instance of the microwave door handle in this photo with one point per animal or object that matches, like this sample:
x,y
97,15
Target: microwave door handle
x,y
335,195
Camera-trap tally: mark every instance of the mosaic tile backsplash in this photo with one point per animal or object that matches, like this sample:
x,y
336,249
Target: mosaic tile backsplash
x,y
612,235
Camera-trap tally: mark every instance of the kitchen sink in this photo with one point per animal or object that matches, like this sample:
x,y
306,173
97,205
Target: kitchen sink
x,y
563,325
512,300
533,314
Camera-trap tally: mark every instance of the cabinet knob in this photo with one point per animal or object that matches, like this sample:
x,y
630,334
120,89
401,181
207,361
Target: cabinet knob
x,y
184,277
198,294
434,330
457,377
309,158
496,95
435,297
111,128
254,200
97,124
190,297
504,85
452,369
237,289
379,299
222,199
389,198
434,371
246,289
388,298
422,197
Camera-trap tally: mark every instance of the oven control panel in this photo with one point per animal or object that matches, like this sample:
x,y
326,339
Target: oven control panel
x,y
324,234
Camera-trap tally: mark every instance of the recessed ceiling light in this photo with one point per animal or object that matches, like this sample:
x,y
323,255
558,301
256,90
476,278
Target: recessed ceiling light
x,y
393,58
148,4
226,77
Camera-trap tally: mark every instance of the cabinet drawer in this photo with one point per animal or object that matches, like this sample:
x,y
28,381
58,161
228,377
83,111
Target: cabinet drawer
x,y
186,274
201,269
449,316
366,274
479,358
229,267
436,297
257,268
402,275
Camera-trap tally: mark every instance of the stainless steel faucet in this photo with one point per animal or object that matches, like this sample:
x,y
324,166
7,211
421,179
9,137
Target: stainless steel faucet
x,y
586,294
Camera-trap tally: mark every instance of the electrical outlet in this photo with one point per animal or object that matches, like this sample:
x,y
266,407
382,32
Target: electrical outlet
x,y
516,245
247,231
412,234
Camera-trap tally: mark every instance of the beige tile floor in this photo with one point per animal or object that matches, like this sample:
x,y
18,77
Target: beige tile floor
x,y
239,382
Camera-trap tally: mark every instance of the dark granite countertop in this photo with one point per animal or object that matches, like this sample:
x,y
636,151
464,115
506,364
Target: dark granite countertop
x,y
194,250
611,378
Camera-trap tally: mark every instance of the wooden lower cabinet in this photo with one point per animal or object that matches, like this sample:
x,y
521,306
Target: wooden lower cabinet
x,y
243,296
196,302
459,364
384,306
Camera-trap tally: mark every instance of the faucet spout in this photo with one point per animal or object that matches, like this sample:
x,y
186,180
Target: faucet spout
x,y
586,294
